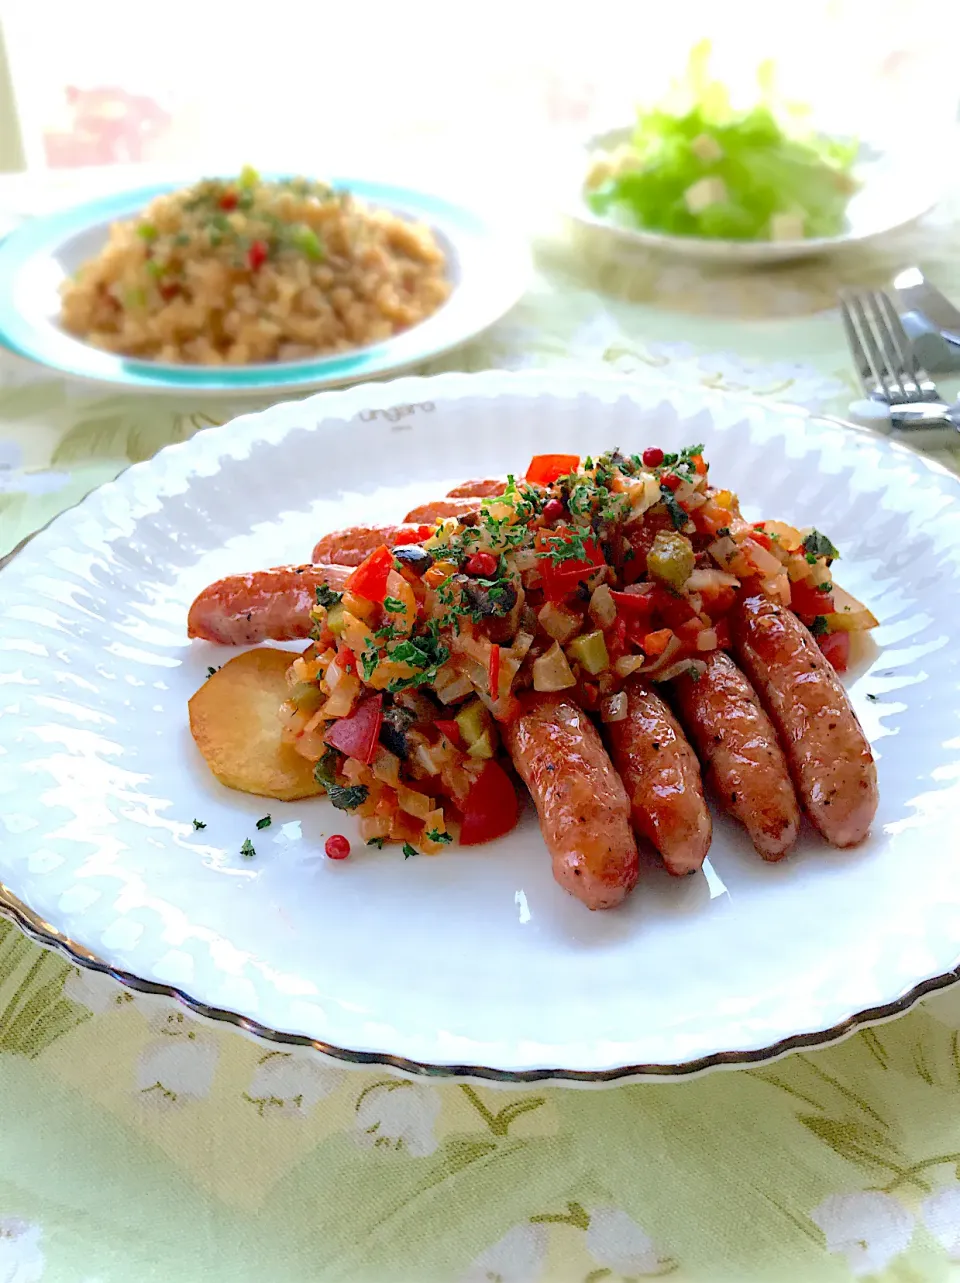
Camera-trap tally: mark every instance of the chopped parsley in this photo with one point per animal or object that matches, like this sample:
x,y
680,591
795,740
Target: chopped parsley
x,y
211,670
248,850
343,798
392,606
819,546
723,532
377,842
811,558
819,626
426,653
327,597
568,547
824,587
409,850
264,822
872,698
369,659
199,824
434,835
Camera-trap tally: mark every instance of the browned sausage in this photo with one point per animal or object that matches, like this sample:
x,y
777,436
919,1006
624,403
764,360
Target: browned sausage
x,y
350,546
740,752
827,752
440,508
488,488
584,811
267,605
662,777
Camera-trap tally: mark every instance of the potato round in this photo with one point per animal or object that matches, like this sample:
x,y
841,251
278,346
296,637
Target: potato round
x,y
234,720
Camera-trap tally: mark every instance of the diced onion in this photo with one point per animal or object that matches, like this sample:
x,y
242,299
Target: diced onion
x,y
521,644
551,672
602,608
526,559
558,623
428,758
386,766
629,664
414,803
707,639
614,707
681,666
649,666
707,579
724,551
764,561
455,691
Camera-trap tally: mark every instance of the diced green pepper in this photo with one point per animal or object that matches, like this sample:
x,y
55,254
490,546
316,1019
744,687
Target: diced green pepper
x,y
472,720
590,650
308,242
147,231
249,176
671,559
335,619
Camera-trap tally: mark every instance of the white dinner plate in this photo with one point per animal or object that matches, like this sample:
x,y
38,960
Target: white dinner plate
x,y
475,962
488,265
893,192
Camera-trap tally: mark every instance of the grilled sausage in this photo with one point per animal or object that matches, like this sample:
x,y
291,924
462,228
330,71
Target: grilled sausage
x,y
827,752
662,778
350,546
740,752
440,508
267,605
488,488
584,811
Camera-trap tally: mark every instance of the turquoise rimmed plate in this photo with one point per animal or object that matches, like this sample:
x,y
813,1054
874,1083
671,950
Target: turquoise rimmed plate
x,y
488,266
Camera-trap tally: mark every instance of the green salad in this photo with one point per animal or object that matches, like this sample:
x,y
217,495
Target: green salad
x,y
709,171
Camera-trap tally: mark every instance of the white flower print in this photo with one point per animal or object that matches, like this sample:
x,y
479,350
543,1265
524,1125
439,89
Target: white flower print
x,y
518,1257
94,990
869,1228
941,1215
21,1260
615,1240
173,1070
285,1083
399,1115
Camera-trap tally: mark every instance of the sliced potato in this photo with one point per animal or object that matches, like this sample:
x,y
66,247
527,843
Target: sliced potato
x,y
234,718
849,615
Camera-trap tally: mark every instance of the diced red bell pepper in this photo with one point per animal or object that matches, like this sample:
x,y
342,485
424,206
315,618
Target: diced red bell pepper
x,y
836,648
346,659
616,639
670,608
357,735
545,468
656,643
633,605
560,580
689,632
416,534
451,730
493,672
808,601
369,580
229,200
722,629
762,538
717,601
491,808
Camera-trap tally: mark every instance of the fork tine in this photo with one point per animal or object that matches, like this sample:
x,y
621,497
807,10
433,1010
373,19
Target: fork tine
x,y
871,386
885,381
897,360
925,387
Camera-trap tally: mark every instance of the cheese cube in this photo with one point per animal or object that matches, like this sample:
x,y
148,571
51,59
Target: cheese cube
x,y
701,195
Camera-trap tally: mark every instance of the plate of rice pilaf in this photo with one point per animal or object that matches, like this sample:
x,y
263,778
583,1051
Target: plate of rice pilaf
x,y
251,283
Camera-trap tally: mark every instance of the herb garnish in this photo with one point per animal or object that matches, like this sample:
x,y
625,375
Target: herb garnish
x,y
819,545
211,670
819,626
409,850
199,824
327,597
392,606
677,514
377,842
344,799
264,822
248,850
434,835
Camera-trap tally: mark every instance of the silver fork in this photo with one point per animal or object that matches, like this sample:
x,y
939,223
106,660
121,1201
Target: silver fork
x,y
887,367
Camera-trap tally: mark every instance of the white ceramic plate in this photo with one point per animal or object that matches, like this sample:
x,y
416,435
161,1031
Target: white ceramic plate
x,y
473,962
488,265
892,194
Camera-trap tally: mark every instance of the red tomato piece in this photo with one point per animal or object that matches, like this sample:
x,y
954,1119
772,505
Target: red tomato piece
x,y
483,565
546,468
491,808
229,200
451,730
257,255
652,457
369,580
673,610
836,648
357,736
671,481
414,535
808,601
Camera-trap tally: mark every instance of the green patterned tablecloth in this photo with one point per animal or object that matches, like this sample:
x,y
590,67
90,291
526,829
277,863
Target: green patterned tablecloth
x,y
137,1144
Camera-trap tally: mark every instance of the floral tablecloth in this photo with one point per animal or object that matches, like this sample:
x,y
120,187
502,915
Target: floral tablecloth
x,y
137,1144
